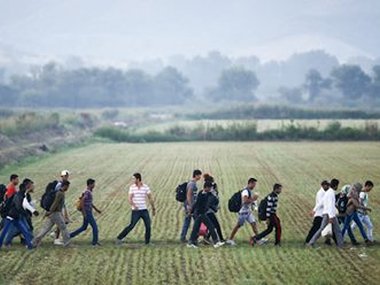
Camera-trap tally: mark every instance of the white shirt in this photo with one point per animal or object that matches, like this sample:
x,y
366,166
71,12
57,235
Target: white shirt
x,y
245,207
329,203
139,196
318,209
27,206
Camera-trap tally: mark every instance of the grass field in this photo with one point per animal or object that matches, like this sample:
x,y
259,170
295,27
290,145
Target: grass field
x,y
298,166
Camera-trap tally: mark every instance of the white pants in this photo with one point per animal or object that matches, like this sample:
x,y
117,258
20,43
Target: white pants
x,y
366,221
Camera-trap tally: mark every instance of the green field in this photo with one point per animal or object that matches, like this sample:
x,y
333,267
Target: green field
x,y
298,166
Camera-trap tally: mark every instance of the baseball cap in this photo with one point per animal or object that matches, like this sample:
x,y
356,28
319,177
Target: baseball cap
x,y
65,172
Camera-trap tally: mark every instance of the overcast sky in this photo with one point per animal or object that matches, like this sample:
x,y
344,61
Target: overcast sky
x,y
145,29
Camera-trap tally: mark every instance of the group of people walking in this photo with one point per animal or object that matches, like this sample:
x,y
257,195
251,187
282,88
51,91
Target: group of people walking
x,y
333,214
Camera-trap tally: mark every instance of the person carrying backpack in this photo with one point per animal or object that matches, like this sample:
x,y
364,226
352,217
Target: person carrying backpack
x,y
8,197
248,198
272,220
191,196
24,212
55,217
88,217
16,216
200,208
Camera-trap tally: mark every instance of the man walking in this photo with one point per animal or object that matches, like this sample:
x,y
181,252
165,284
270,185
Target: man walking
x,y
55,217
138,193
245,213
318,210
88,217
329,215
272,220
191,196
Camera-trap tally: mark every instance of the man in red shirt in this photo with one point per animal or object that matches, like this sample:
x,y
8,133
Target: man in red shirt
x,y
11,187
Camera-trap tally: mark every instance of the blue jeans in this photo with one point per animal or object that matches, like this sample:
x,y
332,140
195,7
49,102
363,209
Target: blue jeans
x,y
88,218
347,227
136,216
13,231
186,223
21,226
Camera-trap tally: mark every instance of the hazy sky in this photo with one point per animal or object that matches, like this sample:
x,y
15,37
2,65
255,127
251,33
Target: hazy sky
x,y
145,29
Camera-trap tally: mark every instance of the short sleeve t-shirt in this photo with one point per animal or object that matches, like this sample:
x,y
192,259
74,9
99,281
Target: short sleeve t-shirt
x,y
139,196
363,201
192,185
11,190
246,207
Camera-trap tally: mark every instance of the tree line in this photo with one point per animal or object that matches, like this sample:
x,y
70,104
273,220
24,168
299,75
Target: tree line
x,y
53,86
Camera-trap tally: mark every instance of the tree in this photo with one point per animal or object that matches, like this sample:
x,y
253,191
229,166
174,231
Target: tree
x,y
315,83
374,89
351,80
236,84
292,95
171,87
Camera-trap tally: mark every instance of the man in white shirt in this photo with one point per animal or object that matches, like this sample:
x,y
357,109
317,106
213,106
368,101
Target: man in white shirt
x,y
138,193
329,215
317,211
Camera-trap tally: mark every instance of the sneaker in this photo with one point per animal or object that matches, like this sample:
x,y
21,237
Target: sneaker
x,y
57,241
96,244
368,242
183,240
119,241
218,244
230,242
252,241
261,241
191,245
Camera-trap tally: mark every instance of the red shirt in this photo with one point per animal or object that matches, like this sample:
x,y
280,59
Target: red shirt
x,y
11,190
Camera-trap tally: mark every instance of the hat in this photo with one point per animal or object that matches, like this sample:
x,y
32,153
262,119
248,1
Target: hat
x,y
65,172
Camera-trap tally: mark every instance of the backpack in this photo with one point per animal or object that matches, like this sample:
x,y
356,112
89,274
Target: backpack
x,y
48,197
6,206
181,192
262,210
234,203
78,203
341,204
3,189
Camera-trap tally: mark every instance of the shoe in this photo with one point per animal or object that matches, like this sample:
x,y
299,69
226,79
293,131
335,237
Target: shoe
x,y
252,241
191,245
261,241
183,240
230,242
355,243
218,244
96,244
278,244
57,241
119,241
368,242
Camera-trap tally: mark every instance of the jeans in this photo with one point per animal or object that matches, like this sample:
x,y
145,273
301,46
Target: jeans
x,y
316,225
186,224
274,222
203,218
346,227
366,221
88,218
14,231
20,225
136,216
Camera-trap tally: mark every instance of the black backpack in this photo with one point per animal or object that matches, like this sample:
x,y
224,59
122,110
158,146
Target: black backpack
x,y
263,209
341,204
48,197
3,189
181,192
5,206
234,203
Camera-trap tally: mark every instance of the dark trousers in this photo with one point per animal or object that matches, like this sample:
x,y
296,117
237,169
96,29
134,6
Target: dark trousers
x,y
203,218
316,225
136,216
88,218
216,224
274,222
21,226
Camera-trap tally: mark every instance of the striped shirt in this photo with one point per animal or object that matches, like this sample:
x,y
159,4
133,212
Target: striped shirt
x,y
272,204
87,200
139,196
